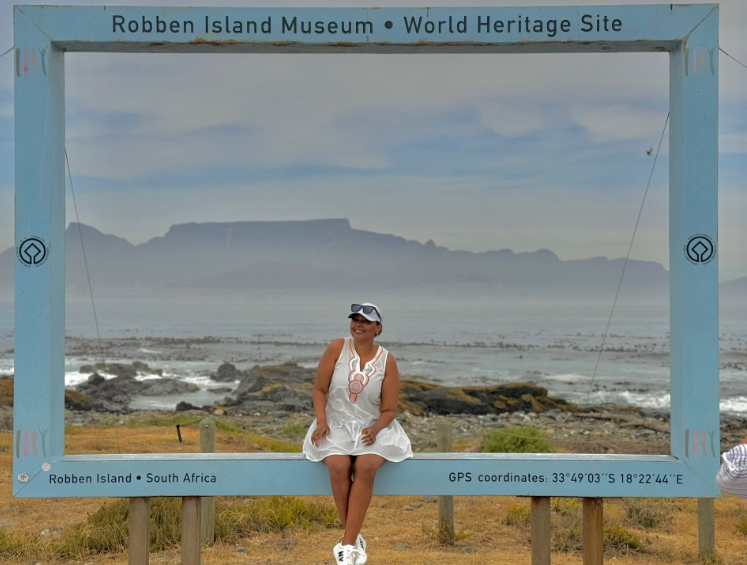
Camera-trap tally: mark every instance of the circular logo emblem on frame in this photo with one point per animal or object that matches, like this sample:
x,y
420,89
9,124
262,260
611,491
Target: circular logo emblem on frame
x,y
700,249
32,252
23,477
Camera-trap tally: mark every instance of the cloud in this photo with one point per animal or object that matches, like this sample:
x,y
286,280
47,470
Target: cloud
x,y
618,122
513,119
733,142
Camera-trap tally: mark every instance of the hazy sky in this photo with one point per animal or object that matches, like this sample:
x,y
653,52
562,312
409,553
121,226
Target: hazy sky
x,y
474,151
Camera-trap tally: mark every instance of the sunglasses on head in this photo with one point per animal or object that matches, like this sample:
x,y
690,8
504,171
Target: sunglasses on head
x,y
355,308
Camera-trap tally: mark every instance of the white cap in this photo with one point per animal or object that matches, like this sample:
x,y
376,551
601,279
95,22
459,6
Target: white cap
x,y
373,316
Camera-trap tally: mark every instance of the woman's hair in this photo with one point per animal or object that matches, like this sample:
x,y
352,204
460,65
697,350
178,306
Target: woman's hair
x,y
381,329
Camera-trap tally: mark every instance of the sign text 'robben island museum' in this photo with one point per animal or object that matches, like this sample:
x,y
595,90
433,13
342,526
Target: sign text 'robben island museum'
x,y
292,25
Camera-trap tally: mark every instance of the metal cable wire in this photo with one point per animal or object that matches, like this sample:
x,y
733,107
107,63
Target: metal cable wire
x,y
88,276
733,58
625,264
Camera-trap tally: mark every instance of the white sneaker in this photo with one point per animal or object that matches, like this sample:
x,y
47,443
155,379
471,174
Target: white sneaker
x,y
360,554
361,543
345,554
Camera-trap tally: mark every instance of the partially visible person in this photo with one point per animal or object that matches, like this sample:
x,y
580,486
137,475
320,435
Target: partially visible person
x,y
732,477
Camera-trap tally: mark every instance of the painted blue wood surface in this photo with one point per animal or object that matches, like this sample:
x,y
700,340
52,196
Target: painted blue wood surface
x,y
92,28
688,33
292,474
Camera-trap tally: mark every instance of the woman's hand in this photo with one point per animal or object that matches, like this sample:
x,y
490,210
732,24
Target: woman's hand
x,y
368,435
322,429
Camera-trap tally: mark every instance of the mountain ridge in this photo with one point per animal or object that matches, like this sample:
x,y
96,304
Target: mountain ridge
x,y
330,254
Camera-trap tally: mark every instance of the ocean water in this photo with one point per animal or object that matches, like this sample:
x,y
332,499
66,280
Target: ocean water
x,y
465,339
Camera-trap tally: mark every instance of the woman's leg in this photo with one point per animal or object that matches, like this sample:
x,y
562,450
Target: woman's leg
x,y
360,494
340,468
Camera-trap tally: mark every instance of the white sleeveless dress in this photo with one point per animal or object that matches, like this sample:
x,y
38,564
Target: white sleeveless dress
x,y
354,403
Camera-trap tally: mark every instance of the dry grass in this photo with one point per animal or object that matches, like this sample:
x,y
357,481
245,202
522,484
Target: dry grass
x,y
304,529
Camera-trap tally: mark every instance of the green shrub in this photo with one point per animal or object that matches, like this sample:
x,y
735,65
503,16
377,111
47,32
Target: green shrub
x,y
515,440
741,526
163,421
441,536
235,519
618,539
567,521
648,514
567,530
294,429
15,546
106,530
518,516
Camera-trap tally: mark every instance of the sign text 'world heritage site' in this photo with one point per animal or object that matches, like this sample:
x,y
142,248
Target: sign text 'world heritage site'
x,y
419,25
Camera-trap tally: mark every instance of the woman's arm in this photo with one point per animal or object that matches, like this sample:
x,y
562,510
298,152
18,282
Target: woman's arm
x,y
324,377
389,395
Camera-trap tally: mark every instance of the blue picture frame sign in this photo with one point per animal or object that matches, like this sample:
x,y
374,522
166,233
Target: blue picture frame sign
x,y
689,33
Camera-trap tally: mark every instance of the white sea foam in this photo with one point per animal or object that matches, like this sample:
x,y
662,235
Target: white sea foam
x,y
206,382
625,398
568,377
735,404
74,378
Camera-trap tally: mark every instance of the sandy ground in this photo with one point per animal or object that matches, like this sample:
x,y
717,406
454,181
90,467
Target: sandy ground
x,y
395,534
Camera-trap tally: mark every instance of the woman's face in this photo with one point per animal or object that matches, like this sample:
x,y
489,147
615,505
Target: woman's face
x,y
362,328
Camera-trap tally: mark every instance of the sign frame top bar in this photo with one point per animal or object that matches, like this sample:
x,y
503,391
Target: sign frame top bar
x,y
642,28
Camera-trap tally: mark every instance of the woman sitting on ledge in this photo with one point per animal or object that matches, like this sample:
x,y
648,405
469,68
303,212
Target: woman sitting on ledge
x,y
355,431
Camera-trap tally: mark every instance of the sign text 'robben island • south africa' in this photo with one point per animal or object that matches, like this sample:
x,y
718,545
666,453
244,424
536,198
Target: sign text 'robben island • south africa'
x,y
45,34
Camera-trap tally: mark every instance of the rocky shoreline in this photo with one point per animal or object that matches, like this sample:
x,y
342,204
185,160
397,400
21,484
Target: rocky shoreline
x,y
275,401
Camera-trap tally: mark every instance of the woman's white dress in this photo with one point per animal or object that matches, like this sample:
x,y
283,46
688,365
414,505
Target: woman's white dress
x,y
354,403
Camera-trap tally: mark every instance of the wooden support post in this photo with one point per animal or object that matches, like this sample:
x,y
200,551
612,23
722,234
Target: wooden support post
x,y
446,528
540,530
207,445
138,549
191,530
706,527
593,531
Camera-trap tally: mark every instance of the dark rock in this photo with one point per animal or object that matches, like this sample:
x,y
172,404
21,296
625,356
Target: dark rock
x,y
221,390
119,370
447,400
146,369
251,384
160,387
114,395
184,406
287,373
115,406
227,373
421,398
75,400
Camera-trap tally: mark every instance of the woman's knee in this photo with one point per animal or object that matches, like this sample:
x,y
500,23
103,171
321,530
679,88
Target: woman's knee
x,y
367,467
340,467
